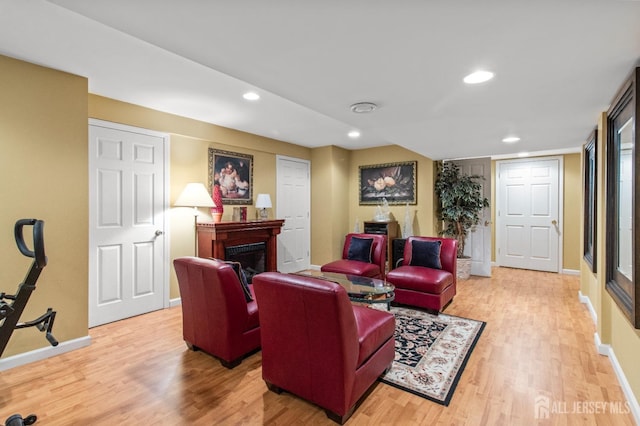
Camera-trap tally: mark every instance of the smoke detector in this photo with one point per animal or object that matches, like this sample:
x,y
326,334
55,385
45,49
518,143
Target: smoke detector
x,y
363,107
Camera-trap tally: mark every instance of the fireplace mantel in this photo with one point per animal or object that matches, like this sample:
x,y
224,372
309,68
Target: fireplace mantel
x,y
213,238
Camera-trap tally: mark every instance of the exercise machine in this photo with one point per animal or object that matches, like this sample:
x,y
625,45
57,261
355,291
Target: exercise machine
x,y
12,305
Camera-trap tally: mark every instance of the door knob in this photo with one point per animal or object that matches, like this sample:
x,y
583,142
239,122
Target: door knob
x,y
159,232
487,222
554,222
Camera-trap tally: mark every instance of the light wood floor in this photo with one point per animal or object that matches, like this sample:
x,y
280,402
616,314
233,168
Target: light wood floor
x,y
538,342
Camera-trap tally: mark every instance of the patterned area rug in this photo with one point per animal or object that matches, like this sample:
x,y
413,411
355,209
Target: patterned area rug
x,y
431,352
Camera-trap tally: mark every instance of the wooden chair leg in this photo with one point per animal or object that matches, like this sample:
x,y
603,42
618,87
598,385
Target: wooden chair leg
x,y
231,364
273,388
338,418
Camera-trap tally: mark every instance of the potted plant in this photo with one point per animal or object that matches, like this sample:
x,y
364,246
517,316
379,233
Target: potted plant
x,y
461,205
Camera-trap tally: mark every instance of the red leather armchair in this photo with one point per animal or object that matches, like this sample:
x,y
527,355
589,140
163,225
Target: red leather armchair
x,y
426,287
373,269
216,317
317,345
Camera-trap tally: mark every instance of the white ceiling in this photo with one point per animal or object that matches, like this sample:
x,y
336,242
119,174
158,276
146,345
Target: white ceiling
x,y
558,63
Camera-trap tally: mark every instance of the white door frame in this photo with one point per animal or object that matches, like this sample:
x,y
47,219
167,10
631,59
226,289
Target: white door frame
x,y
498,227
165,207
472,242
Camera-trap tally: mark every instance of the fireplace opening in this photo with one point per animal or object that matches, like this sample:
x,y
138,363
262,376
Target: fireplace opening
x,y
251,256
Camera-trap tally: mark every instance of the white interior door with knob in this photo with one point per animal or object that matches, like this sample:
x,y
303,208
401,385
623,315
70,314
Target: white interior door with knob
x,y
127,258
293,204
529,213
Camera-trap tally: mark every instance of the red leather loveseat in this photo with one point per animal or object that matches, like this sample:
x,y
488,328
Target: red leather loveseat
x,y
363,255
427,276
317,345
217,316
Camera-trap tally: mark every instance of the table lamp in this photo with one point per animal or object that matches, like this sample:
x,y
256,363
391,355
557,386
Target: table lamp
x,y
195,195
263,202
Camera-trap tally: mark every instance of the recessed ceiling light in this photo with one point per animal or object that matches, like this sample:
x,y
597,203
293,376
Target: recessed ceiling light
x,y
363,107
511,139
251,96
353,134
478,77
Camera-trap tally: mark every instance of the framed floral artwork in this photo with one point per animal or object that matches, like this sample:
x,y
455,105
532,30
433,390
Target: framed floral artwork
x,y
395,182
233,172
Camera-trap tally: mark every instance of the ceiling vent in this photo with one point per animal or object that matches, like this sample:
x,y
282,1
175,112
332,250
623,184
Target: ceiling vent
x,y
363,107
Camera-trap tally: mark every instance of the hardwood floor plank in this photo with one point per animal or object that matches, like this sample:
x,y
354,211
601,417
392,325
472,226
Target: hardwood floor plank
x,y
538,342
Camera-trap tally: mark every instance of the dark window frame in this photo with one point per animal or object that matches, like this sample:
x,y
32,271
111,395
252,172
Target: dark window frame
x,y
590,181
624,291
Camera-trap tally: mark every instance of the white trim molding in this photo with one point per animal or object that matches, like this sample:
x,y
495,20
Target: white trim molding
x,y
607,351
586,301
44,353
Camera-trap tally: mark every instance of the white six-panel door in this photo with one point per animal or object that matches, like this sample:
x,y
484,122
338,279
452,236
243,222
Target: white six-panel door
x,y
127,205
528,215
293,205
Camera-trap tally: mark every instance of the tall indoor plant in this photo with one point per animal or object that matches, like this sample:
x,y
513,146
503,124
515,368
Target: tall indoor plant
x,y
461,205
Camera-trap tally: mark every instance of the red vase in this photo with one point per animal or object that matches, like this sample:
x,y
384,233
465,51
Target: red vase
x,y
217,211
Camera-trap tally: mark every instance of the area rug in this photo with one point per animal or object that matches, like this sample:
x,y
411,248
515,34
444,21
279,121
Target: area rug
x,y
431,352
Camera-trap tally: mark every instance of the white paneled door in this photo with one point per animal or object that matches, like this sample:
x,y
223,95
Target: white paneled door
x,y
127,275
293,205
528,215
478,243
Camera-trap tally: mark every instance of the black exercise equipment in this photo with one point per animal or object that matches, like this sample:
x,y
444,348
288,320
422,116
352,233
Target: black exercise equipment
x,y
11,311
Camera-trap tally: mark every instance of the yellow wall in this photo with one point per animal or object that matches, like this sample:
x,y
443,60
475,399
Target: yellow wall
x,y
190,141
613,328
421,213
572,204
329,200
43,170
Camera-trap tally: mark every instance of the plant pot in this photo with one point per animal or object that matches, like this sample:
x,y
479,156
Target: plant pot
x,y
217,217
464,268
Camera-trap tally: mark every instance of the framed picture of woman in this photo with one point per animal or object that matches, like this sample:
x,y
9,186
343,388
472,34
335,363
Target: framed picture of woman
x,y
233,172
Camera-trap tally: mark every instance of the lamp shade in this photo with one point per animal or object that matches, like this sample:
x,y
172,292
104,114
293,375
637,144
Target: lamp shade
x,y
194,195
263,201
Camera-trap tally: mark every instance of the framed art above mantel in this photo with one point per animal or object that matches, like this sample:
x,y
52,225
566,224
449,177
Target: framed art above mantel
x,y
234,173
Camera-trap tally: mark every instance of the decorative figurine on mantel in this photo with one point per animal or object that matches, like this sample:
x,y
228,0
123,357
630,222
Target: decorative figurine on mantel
x,y
382,211
216,212
407,229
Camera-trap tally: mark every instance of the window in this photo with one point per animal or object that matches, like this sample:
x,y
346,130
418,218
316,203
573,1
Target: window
x,y
622,261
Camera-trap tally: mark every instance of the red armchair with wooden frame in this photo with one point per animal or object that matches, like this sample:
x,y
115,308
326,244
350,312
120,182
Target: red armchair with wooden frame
x,y
362,254
217,315
317,345
427,276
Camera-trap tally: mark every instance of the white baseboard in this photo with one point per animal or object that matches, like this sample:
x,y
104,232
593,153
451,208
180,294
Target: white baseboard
x,y
43,353
175,302
585,300
607,350
564,271
314,267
